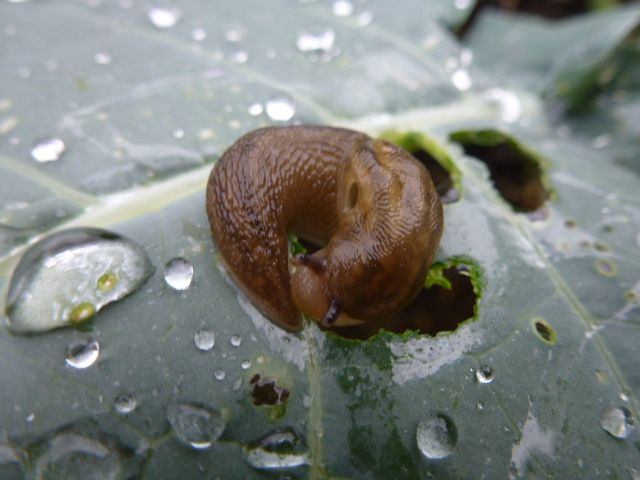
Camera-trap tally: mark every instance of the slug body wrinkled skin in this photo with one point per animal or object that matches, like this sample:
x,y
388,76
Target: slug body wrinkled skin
x,y
369,202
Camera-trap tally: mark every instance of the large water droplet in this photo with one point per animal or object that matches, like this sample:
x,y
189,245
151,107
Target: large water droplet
x,y
83,354
196,425
48,149
280,449
485,374
436,436
69,276
280,109
71,455
125,403
162,17
618,422
204,339
178,273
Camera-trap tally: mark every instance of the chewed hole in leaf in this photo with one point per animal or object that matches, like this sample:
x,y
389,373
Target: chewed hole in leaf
x,y
516,171
449,298
444,173
544,331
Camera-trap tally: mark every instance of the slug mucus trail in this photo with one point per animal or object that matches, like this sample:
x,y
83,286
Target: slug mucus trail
x,y
369,203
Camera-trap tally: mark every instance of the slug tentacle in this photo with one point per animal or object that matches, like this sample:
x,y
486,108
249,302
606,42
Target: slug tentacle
x,y
369,202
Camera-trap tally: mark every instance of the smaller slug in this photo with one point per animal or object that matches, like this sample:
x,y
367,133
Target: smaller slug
x,y
369,203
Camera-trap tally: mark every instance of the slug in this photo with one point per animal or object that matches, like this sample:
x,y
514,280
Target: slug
x,y
369,202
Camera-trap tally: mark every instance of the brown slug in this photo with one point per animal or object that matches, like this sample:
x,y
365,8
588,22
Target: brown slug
x,y
369,202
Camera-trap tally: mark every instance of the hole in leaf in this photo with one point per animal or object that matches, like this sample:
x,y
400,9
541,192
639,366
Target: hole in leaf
x,y
544,331
265,391
516,171
444,174
449,297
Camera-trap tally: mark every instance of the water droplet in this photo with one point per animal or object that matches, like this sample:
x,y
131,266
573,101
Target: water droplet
x,y
178,273
125,403
235,340
342,8
196,425
508,103
601,141
204,339
462,4
485,374
83,354
198,34
436,436
280,109
73,455
618,422
162,17
235,33
318,44
280,449
241,56
255,109
219,374
364,18
69,276
245,365
102,58
179,133
461,80
48,149
480,406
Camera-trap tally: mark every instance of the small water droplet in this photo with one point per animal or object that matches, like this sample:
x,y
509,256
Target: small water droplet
x,y
48,149
618,422
508,103
280,449
318,44
462,4
601,141
31,417
163,18
24,73
235,340
480,406
69,276
280,109
179,133
485,374
178,273
436,436
245,365
198,34
255,109
102,58
204,339
219,374
125,403
83,354
342,8
241,56
461,80
235,33
195,425
364,18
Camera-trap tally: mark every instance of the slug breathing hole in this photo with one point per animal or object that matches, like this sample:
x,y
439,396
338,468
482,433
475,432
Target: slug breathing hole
x,y
436,309
352,197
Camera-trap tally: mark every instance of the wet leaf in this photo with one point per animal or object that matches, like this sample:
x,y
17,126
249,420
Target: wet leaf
x,y
111,116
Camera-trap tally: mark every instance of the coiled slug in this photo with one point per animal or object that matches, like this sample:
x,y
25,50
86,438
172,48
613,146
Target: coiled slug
x,y
369,202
